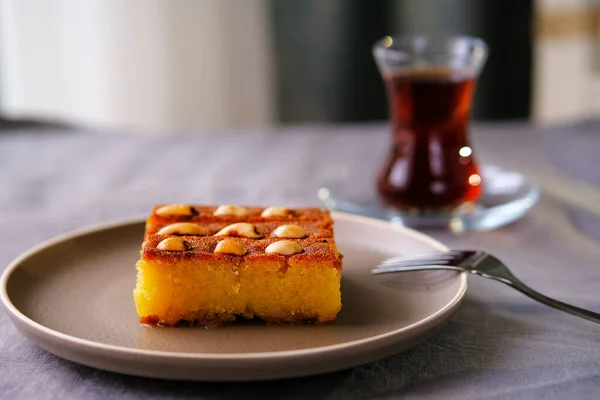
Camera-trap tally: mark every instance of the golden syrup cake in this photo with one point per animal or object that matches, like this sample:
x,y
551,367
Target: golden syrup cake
x,y
208,265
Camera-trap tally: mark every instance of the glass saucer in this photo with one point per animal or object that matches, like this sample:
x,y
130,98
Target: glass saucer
x,y
507,196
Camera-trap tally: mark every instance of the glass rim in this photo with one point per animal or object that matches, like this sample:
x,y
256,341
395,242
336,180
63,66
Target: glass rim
x,y
464,55
385,43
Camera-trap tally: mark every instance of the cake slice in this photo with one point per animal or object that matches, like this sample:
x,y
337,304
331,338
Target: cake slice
x,y
208,265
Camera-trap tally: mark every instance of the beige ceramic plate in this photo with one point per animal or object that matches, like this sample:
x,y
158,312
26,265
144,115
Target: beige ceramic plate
x,y
73,297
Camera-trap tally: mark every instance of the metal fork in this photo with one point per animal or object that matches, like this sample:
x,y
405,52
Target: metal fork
x,y
478,263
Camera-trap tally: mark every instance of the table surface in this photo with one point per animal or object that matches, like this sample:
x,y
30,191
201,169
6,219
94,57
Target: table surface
x,y
498,345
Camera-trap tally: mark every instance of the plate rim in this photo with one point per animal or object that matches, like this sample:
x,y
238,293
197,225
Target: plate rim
x,y
17,317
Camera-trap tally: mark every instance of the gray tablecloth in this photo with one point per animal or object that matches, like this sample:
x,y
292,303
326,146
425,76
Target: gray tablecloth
x,y
498,345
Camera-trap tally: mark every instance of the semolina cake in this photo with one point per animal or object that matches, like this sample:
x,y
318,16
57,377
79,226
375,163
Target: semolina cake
x,y
208,265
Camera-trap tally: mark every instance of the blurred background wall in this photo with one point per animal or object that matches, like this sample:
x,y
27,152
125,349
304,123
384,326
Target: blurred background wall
x,y
566,72
138,64
326,46
160,65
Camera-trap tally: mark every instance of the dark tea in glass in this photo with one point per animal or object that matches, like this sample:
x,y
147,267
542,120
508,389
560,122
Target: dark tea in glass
x,y
430,165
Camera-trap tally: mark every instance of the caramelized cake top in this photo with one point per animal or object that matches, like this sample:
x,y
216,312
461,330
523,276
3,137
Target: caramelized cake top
x,y
166,214
181,231
313,229
203,248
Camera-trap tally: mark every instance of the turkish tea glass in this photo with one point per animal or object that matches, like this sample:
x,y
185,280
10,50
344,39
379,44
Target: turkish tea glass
x,y
430,82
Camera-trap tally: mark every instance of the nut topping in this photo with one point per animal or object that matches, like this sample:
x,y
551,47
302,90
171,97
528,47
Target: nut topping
x,y
241,229
230,246
290,231
228,209
174,244
176,209
183,229
276,212
284,247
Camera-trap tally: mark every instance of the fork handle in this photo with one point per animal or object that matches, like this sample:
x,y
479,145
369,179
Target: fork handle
x,y
526,290
508,279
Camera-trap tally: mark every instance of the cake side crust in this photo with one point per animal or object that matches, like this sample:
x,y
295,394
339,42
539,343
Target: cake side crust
x,y
211,293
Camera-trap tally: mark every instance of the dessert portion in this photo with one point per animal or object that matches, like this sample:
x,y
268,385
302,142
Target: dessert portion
x,y
209,265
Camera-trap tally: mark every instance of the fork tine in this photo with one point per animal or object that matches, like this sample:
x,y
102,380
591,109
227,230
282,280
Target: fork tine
x,y
417,262
414,262
417,259
417,267
442,255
